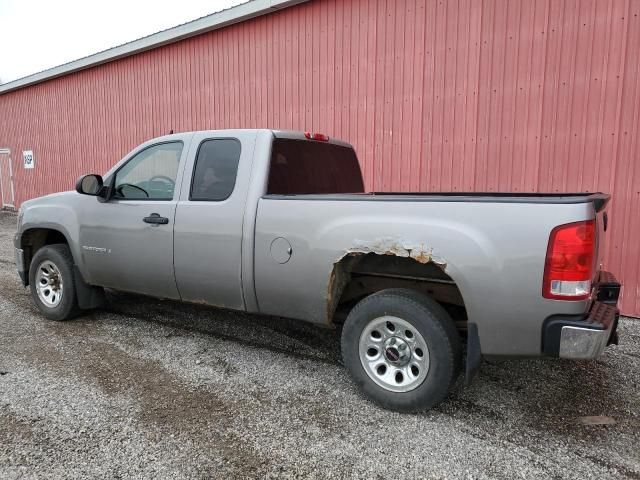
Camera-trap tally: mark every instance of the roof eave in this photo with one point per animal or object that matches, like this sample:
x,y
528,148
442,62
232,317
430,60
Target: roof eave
x,y
237,14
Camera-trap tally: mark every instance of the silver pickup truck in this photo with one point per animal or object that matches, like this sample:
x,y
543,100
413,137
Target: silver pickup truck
x,y
423,286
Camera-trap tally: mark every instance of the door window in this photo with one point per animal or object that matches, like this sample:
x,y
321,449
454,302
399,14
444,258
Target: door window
x,y
150,174
214,175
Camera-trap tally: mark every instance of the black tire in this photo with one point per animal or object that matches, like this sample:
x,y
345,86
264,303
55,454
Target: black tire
x,y
59,254
438,331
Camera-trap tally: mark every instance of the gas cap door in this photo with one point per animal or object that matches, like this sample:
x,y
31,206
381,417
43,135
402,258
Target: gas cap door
x,y
281,250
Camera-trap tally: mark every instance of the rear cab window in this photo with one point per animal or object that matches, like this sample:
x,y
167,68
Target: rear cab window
x,y
301,167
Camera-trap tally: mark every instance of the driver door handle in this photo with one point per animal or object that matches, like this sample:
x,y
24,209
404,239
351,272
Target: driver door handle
x,y
156,219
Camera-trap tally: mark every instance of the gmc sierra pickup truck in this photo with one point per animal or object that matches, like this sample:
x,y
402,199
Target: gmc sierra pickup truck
x,y
278,223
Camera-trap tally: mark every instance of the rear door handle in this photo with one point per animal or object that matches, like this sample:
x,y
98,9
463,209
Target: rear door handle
x,y
156,219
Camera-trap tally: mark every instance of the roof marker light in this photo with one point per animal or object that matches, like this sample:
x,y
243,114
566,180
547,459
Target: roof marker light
x,y
321,137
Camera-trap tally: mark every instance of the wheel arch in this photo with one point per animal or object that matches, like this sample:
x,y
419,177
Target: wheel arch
x,y
33,239
360,274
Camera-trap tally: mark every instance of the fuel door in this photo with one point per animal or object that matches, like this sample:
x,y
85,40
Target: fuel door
x,y
281,250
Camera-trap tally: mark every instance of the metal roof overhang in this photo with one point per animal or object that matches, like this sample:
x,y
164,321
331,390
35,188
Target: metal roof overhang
x,y
237,14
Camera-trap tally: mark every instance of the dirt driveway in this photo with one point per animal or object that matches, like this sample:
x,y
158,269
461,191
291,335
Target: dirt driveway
x,y
158,389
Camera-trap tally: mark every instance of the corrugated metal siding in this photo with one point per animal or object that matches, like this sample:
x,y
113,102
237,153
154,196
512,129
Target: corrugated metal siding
x,y
460,95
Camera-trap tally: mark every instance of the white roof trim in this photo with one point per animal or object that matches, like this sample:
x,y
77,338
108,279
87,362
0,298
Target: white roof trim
x,y
237,14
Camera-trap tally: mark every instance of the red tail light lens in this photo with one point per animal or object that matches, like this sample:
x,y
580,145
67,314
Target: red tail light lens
x,y
568,268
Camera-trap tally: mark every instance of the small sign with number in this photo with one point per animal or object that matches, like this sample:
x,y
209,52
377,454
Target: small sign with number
x,y
27,156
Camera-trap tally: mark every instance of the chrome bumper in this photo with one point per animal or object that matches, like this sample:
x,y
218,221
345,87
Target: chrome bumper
x,y
579,343
585,336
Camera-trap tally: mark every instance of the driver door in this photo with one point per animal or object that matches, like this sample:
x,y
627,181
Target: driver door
x,y
127,242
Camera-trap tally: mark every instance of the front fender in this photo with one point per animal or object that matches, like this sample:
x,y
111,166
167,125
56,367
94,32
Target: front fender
x,y
54,212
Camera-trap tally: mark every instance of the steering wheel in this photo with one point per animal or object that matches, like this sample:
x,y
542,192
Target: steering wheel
x,y
119,189
163,178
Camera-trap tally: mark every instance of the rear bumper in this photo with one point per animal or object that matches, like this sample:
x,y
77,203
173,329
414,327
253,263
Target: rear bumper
x,y
584,337
589,341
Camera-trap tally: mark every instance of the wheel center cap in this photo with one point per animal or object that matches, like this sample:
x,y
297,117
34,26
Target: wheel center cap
x,y
396,351
392,354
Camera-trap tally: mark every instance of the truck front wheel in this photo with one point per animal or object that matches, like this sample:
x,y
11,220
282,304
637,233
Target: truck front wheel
x,y
402,349
52,283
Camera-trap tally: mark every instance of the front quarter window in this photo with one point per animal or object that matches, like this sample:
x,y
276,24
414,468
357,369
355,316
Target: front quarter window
x,y
150,174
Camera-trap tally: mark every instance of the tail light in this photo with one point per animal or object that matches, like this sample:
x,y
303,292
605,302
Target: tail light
x,y
569,265
316,136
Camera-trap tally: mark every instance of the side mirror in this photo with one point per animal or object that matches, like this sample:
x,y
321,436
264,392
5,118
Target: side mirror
x,y
89,185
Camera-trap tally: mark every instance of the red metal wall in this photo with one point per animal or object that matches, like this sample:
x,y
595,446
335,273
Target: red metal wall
x,y
464,95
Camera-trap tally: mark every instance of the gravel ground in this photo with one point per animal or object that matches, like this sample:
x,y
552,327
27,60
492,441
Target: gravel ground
x,y
153,388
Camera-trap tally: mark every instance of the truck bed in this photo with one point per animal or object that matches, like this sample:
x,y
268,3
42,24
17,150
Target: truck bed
x,y
492,245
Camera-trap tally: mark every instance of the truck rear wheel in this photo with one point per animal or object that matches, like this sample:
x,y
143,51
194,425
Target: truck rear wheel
x,y
52,283
402,349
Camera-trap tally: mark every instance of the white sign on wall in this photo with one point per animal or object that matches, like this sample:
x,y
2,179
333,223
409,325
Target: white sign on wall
x,y
27,156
